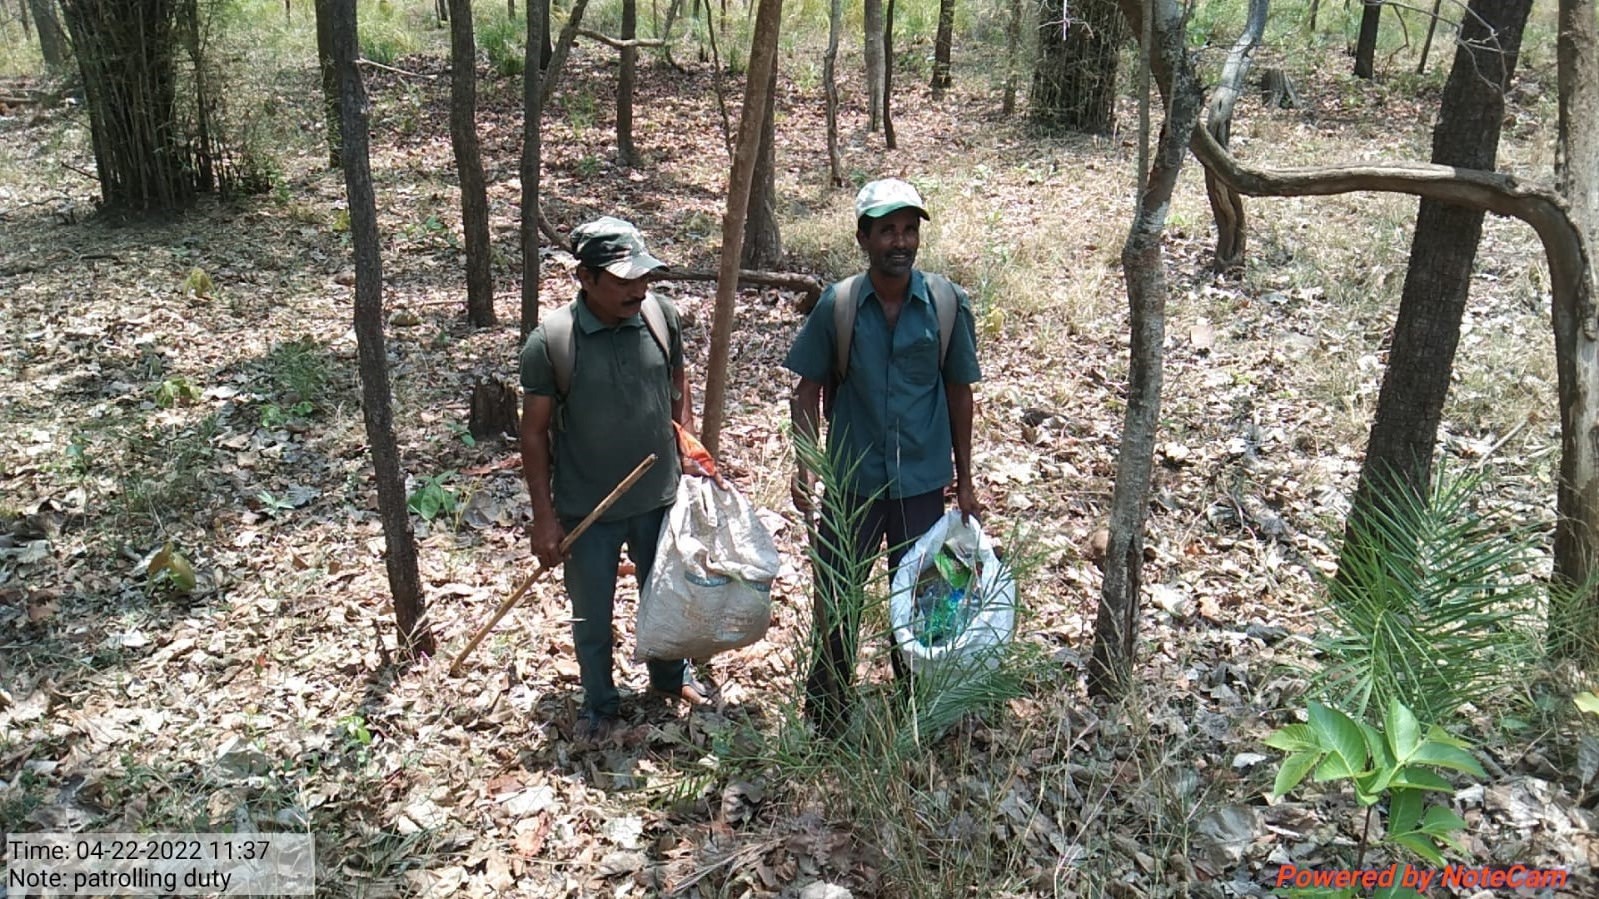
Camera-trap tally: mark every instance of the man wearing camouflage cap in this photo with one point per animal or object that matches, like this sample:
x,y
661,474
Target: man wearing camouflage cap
x,y
586,425
901,408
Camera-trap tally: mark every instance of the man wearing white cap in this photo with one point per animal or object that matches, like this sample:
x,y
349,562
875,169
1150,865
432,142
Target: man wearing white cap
x,y
901,408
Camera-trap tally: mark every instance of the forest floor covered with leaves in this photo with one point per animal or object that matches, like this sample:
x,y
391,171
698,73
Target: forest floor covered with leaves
x,y
192,382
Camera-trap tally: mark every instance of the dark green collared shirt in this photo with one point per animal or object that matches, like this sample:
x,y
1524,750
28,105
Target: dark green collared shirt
x,y
891,412
618,411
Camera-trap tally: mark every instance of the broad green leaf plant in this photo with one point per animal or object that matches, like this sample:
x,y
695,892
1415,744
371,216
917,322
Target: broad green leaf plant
x,y
1399,763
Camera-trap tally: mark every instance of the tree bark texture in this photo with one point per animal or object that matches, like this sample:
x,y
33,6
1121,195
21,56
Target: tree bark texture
x,y
1013,44
1443,249
941,48
405,584
1074,81
1574,629
763,62
469,167
126,51
763,239
1116,622
545,47
1366,44
626,75
330,78
53,46
873,53
563,46
835,161
1226,205
532,161
890,140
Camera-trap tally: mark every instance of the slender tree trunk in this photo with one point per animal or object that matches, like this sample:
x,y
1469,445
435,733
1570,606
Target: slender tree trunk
x,y
625,155
889,139
330,78
941,48
545,47
1438,280
1116,624
27,21
469,166
1366,44
763,62
763,240
563,46
1226,204
1013,46
1574,625
874,63
1432,28
532,162
835,161
405,584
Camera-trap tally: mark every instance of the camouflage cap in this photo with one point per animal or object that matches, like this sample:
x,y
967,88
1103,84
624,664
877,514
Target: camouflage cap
x,y
879,198
615,246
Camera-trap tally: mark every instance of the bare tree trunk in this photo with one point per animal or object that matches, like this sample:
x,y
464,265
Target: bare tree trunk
x,y
563,46
1116,624
1013,46
941,48
1432,28
330,78
405,584
53,46
1226,205
874,63
469,166
1366,44
889,139
835,162
1443,249
763,240
545,47
763,62
1574,630
442,8
532,161
625,156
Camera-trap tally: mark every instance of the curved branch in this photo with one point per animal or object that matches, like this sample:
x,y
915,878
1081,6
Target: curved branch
x,y
1225,204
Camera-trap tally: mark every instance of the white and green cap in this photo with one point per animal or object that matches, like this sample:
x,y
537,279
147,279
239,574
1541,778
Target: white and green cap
x,y
879,198
615,246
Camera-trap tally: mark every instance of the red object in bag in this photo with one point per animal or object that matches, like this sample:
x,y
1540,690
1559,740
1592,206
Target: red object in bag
x,y
696,459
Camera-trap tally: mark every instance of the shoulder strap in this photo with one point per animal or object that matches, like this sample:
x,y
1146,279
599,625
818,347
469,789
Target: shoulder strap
x,y
559,344
560,338
846,296
945,304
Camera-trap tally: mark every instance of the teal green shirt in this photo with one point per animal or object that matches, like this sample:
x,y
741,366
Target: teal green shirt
x,y
618,411
891,412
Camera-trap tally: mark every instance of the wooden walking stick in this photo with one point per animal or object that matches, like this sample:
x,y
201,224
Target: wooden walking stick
x,y
516,597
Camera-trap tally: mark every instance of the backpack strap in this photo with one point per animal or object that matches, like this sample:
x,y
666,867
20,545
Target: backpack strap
x,y
846,297
560,338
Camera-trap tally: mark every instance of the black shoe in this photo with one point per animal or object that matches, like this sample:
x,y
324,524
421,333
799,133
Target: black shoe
x,y
594,727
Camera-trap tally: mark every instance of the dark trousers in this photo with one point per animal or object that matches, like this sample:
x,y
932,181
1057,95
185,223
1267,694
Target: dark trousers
x,y
840,577
591,585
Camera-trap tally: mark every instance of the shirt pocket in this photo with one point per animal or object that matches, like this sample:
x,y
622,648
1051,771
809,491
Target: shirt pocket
x,y
917,359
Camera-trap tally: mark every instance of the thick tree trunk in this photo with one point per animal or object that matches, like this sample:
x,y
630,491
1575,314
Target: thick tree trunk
x,y
1421,355
1574,625
873,51
469,166
405,584
941,48
763,62
1116,623
543,43
53,45
625,155
330,78
1226,205
763,240
532,161
835,161
1366,44
1074,82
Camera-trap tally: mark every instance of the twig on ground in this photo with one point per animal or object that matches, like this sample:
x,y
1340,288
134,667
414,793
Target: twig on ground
x,y
378,65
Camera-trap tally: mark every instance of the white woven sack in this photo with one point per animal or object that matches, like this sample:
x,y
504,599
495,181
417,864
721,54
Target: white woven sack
x,y
710,589
979,644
